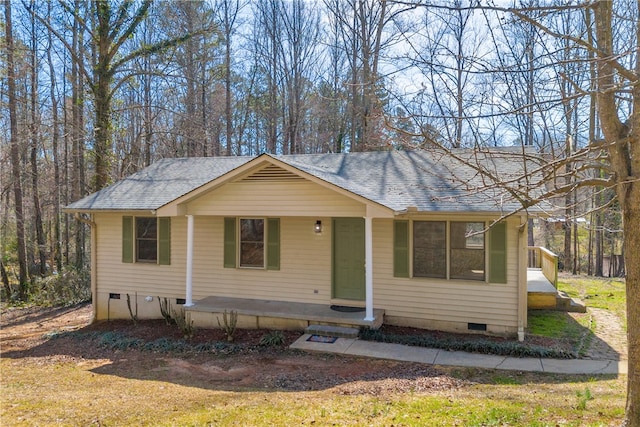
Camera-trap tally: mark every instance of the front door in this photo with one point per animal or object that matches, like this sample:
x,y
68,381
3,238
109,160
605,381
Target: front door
x,y
348,259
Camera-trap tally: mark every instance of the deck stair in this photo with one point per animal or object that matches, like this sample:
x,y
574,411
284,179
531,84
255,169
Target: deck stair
x,y
332,331
565,303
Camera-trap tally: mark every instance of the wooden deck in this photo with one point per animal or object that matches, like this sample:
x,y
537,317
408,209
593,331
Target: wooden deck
x,y
255,313
541,294
537,282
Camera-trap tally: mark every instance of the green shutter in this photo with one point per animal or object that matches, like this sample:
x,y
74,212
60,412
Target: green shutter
x,y
273,244
164,241
498,253
229,243
401,248
127,239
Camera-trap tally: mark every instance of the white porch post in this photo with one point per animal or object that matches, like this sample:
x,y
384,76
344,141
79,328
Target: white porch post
x,y
189,279
368,271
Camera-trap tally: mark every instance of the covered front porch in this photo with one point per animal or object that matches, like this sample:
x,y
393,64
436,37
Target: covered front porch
x,y
267,314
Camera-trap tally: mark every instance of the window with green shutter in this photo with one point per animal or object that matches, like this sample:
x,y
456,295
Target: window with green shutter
x,y
401,248
256,241
453,250
498,253
146,240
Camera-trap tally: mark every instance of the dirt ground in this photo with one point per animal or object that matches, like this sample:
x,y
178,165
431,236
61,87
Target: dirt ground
x,y
25,333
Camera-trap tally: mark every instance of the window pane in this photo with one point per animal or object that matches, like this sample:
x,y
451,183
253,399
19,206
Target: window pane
x,y
147,250
146,239
252,242
429,249
467,250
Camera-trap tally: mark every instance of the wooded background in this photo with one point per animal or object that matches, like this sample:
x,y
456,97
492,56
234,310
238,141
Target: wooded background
x,y
103,89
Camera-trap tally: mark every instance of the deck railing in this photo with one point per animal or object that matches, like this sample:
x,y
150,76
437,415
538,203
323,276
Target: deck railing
x,y
545,260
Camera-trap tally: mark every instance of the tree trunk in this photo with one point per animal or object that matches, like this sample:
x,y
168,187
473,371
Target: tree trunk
x,y
56,247
624,155
631,219
102,99
35,143
228,113
23,272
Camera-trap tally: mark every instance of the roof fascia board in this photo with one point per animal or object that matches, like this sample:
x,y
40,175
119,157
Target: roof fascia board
x,y
459,214
147,212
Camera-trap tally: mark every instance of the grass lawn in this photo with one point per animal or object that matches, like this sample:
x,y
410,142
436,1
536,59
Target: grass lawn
x,y
70,393
597,292
62,382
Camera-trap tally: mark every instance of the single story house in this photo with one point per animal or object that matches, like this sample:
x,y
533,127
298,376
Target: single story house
x,y
410,238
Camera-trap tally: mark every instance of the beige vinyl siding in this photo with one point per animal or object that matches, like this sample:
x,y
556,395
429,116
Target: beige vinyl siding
x,y
305,264
145,279
275,198
304,275
439,300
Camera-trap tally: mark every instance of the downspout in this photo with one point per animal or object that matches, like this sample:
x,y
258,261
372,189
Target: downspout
x,y
522,277
94,262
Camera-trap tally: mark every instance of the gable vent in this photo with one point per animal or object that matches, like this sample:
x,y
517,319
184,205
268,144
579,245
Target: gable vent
x,y
273,173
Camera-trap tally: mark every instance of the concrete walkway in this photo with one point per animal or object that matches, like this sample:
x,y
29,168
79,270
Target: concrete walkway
x,y
356,347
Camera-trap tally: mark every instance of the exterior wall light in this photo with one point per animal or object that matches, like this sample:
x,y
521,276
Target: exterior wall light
x,y
318,227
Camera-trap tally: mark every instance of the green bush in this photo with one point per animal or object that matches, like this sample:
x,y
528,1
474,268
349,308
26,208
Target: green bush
x,y
69,287
506,348
273,339
113,340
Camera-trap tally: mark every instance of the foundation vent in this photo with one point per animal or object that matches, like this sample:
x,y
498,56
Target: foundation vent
x,y
273,173
477,326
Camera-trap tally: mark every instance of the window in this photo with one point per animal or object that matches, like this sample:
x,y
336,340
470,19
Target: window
x,y
430,249
467,250
146,240
252,242
255,243
453,250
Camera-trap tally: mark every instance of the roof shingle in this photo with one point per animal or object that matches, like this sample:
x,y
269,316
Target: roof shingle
x,y
427,180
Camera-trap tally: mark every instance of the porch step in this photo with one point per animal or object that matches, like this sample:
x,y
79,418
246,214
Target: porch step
x,y
332,331
565,303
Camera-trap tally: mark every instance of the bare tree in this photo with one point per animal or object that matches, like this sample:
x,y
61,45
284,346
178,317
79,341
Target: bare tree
x,y
34,130
617,90
111,28
15,154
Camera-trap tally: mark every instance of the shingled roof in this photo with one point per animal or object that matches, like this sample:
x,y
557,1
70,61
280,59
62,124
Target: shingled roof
x,y
429,181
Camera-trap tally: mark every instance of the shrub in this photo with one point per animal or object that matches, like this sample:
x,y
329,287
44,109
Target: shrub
x,y
230,321
506,348
273,339
165,310
67,288
184,322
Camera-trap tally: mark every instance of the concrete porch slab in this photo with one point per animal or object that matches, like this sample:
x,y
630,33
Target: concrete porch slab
x,y
304,312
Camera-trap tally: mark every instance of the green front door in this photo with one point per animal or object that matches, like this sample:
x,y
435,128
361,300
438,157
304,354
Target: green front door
x,y
348,258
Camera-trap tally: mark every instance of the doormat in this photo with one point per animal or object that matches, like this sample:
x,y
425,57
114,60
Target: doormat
x,y
320,338
346,309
